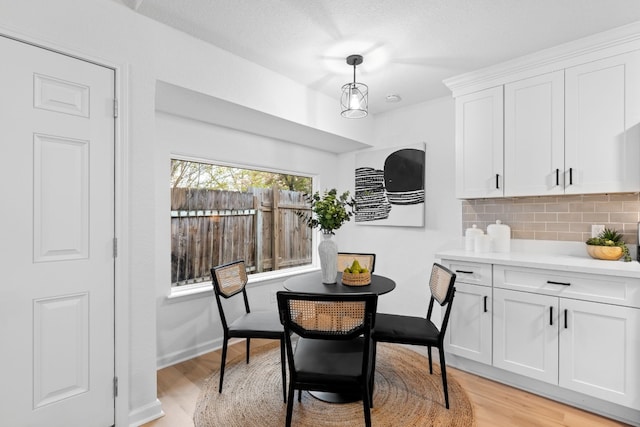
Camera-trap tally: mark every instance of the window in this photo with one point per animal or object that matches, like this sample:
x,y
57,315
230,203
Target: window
x,y
221,214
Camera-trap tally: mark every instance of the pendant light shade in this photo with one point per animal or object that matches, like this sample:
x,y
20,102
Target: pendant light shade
x,y
355,96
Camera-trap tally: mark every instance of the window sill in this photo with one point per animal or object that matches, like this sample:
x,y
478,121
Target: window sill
x,y
198,290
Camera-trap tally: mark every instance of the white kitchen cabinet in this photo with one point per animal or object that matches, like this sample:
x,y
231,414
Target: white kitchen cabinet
x,y
534,136
602,122
469,331
600,350
479,144
525,334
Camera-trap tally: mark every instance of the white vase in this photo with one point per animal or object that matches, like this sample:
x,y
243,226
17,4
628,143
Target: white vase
x,y
328,252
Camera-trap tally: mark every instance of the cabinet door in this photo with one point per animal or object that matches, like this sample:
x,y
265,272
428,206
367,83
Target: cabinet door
x,y
469,331
479,144
600,351
534,136
525,334
603,125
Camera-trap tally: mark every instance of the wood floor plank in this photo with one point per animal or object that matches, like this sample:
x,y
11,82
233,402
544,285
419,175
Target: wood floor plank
x,y
494,404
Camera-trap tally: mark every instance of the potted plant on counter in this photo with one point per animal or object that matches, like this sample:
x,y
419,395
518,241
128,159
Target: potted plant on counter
x,y
608,245
329,211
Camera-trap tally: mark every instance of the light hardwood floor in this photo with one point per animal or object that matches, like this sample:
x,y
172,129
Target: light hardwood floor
x,y
494,404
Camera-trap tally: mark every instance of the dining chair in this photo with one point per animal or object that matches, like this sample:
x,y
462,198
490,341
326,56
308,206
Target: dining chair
x,y
230,280
345,259
400,329
333,352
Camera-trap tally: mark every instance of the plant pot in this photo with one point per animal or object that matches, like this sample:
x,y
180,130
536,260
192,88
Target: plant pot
x,y
610,253
328,252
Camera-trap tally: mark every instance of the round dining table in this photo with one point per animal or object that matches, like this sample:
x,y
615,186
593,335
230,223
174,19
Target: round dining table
x,y
312,283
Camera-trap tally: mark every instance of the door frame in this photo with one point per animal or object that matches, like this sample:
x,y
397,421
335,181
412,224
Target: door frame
x,y
121,206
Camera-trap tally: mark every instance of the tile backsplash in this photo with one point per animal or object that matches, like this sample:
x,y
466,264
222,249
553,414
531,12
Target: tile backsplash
x,y
564,218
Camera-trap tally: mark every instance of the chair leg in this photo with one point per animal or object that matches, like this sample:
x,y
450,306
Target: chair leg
x,y
372,378
284,370
366,402
248,348
292,396
443,370
222,362
430,364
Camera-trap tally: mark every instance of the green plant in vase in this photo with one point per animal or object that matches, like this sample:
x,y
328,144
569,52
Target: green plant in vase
x,y
609,244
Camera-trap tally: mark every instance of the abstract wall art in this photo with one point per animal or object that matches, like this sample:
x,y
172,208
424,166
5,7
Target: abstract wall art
x,y
390,186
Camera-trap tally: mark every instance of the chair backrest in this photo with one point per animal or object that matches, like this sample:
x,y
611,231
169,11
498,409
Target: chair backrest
x,y
327,316
441,284
228,280
345,259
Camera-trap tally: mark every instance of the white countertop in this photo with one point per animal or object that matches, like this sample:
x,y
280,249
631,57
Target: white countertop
x,y
554,261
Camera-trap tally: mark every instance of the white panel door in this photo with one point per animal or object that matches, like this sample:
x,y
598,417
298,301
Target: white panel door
x,y
469,331
57,289
603,125
534,136
479,144
600,351
525,334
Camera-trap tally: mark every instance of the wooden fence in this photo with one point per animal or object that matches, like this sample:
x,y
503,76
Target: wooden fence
x,y
210,228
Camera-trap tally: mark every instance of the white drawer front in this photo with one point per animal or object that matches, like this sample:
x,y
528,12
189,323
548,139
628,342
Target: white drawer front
x,y
599,288
473,273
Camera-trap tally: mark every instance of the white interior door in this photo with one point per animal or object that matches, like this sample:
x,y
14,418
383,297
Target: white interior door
x,y
57,286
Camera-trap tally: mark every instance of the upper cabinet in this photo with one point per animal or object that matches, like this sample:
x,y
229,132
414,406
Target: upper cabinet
x,y
602,119
479,136
564,121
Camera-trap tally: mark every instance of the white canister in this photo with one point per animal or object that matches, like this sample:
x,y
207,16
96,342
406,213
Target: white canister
x,y
501,236
482,243
469,236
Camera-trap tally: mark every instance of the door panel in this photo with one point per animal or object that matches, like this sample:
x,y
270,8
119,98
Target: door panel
x,y
57,292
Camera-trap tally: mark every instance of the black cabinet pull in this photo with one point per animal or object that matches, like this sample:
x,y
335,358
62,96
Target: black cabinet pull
x,y
565,318
497,181
551,315
485,303
570,176
551,282
464,271
557,177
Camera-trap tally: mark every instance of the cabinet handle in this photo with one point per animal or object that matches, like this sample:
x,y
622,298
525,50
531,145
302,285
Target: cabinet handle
x,y
464,271
565,318
485,303
551,315
557,177
570,176
551,282
497,181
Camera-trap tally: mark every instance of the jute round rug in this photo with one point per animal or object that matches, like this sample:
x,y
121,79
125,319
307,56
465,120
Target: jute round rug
x,y
405,395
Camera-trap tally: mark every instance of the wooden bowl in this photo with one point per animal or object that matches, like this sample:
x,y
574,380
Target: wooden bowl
x,y
610,253
359,279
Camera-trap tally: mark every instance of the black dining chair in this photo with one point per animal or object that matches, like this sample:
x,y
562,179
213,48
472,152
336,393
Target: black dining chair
x,y
399,329
333,352
229,280
345,259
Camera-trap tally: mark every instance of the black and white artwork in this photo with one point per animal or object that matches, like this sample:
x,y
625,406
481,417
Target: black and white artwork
x,y
390,186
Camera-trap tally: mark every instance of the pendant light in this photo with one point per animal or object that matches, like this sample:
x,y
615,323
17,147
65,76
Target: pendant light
x,y
354,102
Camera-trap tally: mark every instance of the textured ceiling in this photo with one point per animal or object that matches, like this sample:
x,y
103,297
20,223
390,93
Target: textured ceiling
x,y
409,46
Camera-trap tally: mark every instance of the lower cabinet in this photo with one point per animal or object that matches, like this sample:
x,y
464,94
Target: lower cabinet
x,y
600,350
525,334
469,331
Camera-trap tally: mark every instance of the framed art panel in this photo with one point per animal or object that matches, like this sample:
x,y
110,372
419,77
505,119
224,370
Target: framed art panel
x,y
390,186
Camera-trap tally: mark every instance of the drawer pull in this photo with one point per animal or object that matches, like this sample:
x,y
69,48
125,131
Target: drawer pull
x,y
551,315
464,271
565,318
485,303
570,176
551,282
497,181
557,177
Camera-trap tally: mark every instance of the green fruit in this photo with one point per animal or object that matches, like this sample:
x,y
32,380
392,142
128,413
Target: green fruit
x,y
347,270
355,267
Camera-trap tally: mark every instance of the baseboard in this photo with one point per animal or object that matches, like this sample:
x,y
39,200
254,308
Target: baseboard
x,y
145,414
191,352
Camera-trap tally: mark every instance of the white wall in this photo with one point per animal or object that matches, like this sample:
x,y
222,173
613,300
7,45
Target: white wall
x,y
407,253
